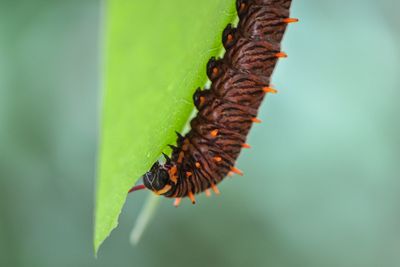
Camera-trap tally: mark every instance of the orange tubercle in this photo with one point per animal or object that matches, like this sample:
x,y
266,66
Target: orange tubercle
x,y
191,196
246,145
217,159
281,55
214,133
180,157
237,171
198,165
202,100
256,120
290,20
215,71
185,145
174,179
172,174
269,90
215,189
177,201
188,174
208,193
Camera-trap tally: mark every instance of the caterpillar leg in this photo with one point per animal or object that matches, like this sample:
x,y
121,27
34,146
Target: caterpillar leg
x,y
177,201
191,196
215,189
207,192
237,171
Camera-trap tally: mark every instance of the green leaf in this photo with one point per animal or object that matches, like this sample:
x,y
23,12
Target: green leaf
x,y
156,53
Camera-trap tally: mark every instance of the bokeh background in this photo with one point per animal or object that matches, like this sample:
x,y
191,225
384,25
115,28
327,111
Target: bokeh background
x,y
322,183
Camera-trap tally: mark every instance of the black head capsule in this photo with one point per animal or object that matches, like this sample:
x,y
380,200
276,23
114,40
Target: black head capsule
x,y
157,179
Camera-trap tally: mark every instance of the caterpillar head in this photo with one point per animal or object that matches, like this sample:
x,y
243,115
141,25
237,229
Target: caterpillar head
x,y
157,179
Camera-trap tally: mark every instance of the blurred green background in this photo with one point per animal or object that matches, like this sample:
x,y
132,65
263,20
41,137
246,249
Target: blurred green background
x,y
322,180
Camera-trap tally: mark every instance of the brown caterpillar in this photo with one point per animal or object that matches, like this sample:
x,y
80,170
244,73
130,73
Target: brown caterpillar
x,y
226,111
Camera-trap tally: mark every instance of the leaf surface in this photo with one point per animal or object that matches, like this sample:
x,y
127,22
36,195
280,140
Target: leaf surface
x,y
155,58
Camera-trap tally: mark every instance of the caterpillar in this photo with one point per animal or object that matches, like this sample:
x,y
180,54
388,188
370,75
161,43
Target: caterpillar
x,y
226,111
